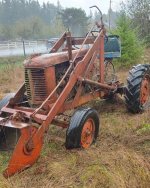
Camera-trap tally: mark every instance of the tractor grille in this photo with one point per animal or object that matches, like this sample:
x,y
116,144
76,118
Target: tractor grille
x,y
35,85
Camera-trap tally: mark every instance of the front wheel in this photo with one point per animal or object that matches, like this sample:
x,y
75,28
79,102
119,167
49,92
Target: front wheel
x,y
137,94
83,129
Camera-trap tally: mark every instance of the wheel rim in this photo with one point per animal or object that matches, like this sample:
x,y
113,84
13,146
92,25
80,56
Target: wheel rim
x,y
145,90
87,134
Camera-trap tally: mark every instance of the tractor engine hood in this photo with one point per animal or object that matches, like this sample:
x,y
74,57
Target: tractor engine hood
x,y
51,59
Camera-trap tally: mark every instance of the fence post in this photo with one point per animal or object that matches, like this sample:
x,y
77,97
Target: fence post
x,y
24,50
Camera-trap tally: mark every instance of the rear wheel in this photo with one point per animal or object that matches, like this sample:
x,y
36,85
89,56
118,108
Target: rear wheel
x,y
109,78
83,129
137,94
109,75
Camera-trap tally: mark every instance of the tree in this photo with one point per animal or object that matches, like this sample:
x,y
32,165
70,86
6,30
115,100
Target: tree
x,y
139,11
22,29
6,32
32,27
131,46
57,28
28,19
75,20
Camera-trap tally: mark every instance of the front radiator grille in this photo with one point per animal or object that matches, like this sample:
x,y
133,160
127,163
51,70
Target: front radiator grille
x,y
35,85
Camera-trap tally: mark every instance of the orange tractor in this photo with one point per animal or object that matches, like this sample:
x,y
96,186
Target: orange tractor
x,y
74,72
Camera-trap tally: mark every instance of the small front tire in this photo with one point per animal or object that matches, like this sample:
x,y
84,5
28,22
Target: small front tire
x,y
83,129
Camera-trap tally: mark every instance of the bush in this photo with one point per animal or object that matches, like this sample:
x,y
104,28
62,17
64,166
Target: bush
x,y
131,46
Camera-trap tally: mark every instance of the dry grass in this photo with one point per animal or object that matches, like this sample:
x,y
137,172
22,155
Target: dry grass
x,y
120,157
11,75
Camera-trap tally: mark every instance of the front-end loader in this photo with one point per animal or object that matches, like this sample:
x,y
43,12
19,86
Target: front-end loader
x,y
74,72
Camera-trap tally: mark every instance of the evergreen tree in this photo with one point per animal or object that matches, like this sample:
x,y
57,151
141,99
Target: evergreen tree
x,y
131,46
75,20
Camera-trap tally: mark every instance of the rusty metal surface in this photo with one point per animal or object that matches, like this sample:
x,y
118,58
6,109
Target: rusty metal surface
x,y
39,84
22,157
27,113
18,95
14,124
101,85
51,59
78,70
101,59
70,68
79,41
35,82
69,45
59,43
82,100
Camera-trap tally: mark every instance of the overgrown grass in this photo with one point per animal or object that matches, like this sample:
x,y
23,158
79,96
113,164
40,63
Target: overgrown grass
x,y
11,60
11,75
116,160
119,158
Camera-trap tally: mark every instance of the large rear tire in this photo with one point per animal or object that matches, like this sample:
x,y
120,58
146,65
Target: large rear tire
x,y
137,93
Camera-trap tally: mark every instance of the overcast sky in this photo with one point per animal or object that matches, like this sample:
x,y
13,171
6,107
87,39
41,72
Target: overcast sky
x,y
85,4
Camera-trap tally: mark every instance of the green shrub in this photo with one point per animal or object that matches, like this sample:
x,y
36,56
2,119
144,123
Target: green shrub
x,y
131,46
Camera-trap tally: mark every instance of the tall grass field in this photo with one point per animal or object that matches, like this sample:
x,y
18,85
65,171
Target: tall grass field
x,y
119,159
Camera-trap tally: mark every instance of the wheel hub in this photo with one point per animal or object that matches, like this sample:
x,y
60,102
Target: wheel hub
x,y
145,90
87,134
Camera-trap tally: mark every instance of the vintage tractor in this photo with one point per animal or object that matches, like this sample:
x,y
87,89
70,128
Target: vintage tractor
x,y
74,72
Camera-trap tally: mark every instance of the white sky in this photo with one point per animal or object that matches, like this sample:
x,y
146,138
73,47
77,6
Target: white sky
x,y
85,4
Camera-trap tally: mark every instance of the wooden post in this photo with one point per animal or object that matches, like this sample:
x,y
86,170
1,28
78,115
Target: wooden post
x,y
24,50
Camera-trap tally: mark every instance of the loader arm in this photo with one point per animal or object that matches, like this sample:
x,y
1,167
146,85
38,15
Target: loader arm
x,y
74,77
80,64
31,140
72,74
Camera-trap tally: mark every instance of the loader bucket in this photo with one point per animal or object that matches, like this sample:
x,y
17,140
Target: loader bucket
x,y
27,149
